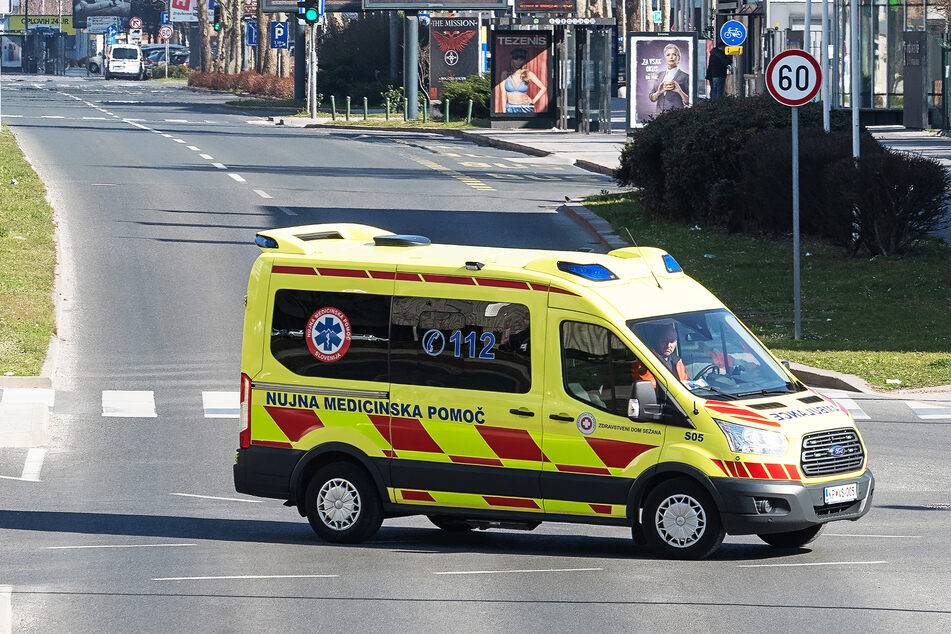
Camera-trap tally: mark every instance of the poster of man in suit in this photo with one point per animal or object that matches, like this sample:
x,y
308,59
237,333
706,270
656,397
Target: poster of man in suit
x,y
662,75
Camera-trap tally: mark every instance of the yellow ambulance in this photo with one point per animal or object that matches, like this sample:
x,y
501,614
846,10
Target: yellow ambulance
x,y
384,376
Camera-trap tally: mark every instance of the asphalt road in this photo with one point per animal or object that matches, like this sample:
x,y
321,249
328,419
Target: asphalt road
x,y
132,522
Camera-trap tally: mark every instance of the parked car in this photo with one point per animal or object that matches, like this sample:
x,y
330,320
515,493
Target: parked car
x,y
94,63
124,60
150,49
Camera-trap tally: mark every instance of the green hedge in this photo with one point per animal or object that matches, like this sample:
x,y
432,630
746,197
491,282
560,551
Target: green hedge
x,y
728,162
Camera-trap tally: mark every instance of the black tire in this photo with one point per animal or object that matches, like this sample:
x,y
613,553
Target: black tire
x,y
450,524
342,504
793,539
93,68
681,521
107,76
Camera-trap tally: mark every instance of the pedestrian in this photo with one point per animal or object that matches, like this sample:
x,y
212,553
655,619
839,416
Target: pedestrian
x,y
717,65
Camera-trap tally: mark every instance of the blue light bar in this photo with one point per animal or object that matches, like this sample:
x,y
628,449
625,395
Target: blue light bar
x,y
671,264
265,242
593,272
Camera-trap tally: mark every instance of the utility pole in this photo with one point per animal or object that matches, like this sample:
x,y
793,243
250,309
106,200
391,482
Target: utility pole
x,y
300,56
411,63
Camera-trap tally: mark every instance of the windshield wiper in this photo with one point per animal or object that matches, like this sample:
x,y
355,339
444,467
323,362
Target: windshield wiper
x,y
717,391
773,392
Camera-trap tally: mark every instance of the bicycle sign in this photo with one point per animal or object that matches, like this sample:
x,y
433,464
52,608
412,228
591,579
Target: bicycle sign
x,y
793,77
733,33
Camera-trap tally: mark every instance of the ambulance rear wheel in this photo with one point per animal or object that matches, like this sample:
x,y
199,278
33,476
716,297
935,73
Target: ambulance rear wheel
x,y
342,504
793,539
450,524
680,521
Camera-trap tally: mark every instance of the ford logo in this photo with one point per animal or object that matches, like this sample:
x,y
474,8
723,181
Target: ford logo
x,y
837,450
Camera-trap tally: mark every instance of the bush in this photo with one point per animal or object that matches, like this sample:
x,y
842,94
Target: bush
x,y
896,199
174,72
247,81
458,93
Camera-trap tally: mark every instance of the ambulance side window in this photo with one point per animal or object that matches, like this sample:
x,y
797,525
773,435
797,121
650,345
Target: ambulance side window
x,y
346,337
459,343
597,366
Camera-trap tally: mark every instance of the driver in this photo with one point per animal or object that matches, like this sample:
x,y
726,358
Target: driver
x,y
664,346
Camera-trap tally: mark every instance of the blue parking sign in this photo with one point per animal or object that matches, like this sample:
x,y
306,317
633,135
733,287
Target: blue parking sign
x,y
164,15
279,34
251,35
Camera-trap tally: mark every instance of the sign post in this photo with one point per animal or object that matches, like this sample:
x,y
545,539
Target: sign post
x,y
793,78
165,32
733,34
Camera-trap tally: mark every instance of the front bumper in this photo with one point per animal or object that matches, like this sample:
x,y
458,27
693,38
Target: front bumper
x,y
795,505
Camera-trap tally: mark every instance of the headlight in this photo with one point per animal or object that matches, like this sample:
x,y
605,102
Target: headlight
x,y
743,439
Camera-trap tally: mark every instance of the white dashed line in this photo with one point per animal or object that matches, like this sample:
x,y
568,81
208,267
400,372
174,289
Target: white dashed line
x,y
33,464
289,212
221,404
193,148
817,563
128,404
178,140
166,135
220,166
929,411
207,157
262,193
237,177
176,120
52,116
213,497
119,546
85,118
246,577
505,572
138,125
875,536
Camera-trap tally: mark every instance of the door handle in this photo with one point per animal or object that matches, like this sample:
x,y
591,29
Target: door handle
x,y
522,412
561,417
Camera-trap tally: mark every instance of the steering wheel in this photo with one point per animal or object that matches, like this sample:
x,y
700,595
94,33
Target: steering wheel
x,y
710,368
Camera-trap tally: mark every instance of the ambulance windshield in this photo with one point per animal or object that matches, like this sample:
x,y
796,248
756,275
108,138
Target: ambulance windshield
x,y
713,355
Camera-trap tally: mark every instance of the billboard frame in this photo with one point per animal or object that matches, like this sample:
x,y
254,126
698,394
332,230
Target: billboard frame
x,y
549,112
634,84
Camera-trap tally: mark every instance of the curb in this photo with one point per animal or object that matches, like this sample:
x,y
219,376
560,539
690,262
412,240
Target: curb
x,y
819,377
600,227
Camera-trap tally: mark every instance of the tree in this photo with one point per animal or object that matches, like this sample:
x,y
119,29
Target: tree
x,y
204,37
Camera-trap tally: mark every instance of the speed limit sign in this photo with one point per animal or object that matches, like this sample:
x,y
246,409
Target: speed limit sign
x,y
793,77
165,32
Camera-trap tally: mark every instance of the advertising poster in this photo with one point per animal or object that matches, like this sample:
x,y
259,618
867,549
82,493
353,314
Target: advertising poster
x,y
12,57
521,71
187,10
59,23
453,51
82,9
662,74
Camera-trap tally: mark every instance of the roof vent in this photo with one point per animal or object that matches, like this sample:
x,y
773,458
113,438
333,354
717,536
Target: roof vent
x,y
396,240
319,235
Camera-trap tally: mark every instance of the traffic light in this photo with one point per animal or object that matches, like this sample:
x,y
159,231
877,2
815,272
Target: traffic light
x,y
217,21
311,11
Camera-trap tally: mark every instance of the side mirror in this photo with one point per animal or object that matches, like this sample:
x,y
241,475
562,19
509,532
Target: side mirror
x,y
643,406
786,363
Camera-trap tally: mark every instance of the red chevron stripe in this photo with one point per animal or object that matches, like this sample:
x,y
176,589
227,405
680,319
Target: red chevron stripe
x,y
570,468
616,453
407,434
417,496
757,470
776,471
514,502
603,509
294,270
271,443
490,462
295,423
512,444
501,283
793,472
719,463
342,272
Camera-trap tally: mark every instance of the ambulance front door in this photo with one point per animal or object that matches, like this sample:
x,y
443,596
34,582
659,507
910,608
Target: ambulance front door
x,y
593,449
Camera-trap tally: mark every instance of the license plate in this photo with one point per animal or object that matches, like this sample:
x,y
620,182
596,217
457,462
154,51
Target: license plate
x,y
842,493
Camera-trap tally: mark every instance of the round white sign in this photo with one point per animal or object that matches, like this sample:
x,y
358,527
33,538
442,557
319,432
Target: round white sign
x,y
793,77
165,32
135,23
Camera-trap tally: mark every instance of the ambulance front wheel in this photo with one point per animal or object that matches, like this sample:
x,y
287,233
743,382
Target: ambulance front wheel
x,y
793,539
342,504
681,521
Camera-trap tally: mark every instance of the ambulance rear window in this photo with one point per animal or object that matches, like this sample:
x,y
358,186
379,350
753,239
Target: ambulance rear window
x,y
459,343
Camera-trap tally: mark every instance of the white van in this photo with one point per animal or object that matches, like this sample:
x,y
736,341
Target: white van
x,y
124,60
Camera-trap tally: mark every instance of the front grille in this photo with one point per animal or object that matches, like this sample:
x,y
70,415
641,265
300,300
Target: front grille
x,y
826,453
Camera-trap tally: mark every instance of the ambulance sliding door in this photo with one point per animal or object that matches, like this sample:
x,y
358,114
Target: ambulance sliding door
x,y
466,394
594,450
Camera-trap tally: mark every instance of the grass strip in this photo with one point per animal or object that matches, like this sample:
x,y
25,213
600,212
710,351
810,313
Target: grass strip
x,y
28,257
881,318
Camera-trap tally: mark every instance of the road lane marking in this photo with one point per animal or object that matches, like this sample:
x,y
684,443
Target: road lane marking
x,y
128,403
879,536
468,180
29,395
33,464
289,212
215,497
138,125
817,563
844,399
237,177
84,118
166,135
193,148
503,572
53,116
262,193
176,120
221,404
246,577
6,609
179,140
118,546
207,157
220,166
929,411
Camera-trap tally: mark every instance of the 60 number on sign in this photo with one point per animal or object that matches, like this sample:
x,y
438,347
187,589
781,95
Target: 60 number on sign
x,y
793,77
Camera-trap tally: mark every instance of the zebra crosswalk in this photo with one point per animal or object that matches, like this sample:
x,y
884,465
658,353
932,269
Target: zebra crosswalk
x,y
225,404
